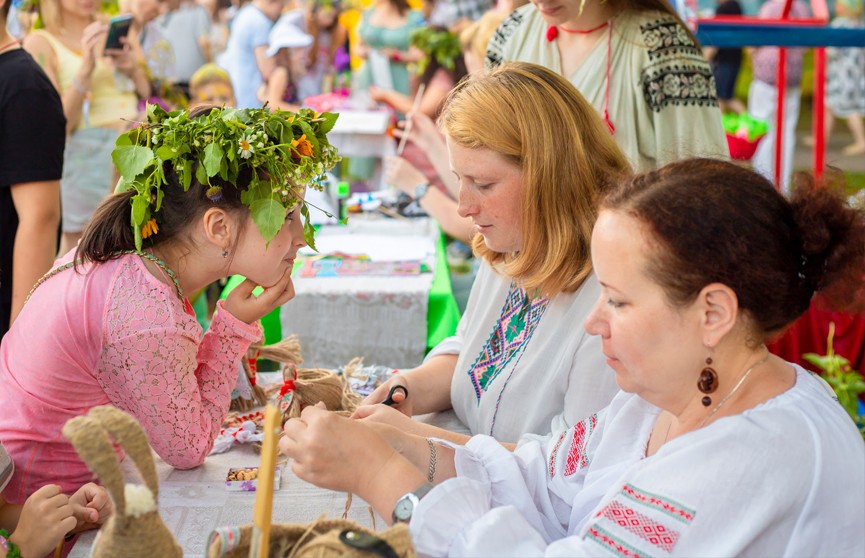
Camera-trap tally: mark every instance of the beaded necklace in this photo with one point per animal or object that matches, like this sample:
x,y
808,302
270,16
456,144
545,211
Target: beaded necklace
x,y
69,265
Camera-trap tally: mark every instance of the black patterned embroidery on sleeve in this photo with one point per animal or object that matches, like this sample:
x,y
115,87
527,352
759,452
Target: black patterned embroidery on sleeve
x,y
678,84
666,37
677,73
495,50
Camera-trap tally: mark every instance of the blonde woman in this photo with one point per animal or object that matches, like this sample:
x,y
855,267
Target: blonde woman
x,y
529,174
99,89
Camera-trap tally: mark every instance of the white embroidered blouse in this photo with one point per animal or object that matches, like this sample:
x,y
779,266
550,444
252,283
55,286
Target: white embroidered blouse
x,y
786,478
526,366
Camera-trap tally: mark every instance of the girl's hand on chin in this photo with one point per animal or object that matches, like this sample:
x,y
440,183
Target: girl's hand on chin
x,y
246,307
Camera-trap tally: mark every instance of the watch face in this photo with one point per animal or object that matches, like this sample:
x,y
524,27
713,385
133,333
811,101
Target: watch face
x,y
403,508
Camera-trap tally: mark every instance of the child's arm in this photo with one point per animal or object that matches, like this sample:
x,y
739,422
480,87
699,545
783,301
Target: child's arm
x,y
45,519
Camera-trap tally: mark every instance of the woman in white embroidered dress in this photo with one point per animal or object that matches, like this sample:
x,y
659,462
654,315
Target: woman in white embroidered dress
x,y
635,61
713,448
531,156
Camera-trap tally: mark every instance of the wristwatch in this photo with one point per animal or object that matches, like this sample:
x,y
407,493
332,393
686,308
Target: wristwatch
x,y
420,190
406,505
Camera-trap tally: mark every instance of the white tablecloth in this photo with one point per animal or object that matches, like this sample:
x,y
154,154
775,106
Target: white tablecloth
x,y
383,319
194,502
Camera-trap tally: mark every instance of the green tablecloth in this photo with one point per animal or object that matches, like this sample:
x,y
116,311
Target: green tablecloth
x,y
443,315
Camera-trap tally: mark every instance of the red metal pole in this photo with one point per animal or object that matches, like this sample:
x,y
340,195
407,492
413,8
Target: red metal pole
x,y
781,87
819,112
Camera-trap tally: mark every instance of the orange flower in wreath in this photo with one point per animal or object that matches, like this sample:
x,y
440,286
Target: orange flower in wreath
x,y
302,146
149,228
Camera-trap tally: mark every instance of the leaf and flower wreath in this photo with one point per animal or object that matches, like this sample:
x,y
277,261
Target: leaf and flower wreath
x,y
286,151
440,44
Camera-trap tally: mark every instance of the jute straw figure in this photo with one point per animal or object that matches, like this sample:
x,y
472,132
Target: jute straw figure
x,y
135,530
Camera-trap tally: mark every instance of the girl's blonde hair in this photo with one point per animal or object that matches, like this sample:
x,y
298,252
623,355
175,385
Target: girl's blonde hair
x,y
537,119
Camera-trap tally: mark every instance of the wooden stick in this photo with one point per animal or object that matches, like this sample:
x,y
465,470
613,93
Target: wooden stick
x,y
391,213
58,552
407,130
264,491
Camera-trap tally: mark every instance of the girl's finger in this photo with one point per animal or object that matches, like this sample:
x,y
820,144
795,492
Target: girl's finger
x,y
244,289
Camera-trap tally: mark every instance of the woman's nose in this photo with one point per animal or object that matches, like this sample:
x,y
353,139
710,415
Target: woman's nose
x,y
465,204
594,323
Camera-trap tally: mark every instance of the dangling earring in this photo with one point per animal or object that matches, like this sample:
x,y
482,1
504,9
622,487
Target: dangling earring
x,y
708,382
224,252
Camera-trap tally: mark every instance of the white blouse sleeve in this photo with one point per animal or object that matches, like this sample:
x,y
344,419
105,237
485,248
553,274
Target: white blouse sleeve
x,y
502,503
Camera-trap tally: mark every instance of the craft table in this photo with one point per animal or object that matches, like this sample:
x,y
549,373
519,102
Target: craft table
x,y
194,502
392,321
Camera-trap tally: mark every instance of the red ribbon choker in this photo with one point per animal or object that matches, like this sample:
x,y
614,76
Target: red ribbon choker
x,y
553,31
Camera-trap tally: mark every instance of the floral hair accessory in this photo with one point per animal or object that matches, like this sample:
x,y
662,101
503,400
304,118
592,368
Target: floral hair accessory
x,y
286,151
442,45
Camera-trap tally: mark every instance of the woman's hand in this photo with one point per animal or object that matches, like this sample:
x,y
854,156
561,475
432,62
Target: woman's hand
x,y
124,58
402,175
424,132
403,403
246,307
92,42
378,94
45,519
91,506
389,416
326,448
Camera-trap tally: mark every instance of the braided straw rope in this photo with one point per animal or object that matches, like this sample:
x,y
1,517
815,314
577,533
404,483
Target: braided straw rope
x,y
146,535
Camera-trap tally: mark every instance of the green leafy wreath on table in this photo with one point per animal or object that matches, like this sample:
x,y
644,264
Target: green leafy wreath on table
x,y
286,152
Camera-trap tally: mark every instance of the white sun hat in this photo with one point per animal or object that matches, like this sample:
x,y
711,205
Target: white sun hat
x,y
288,32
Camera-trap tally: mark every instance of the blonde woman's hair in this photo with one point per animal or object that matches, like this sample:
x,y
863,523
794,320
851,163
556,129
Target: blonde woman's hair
x,y
476,36
538,120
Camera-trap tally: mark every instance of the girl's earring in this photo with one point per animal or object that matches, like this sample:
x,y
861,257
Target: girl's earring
x,y
224,252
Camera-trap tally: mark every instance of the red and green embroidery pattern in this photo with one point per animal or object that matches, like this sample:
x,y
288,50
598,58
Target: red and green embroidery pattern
x,y
511,334
638,523
611,543
673,509
555,453
578,456
641,525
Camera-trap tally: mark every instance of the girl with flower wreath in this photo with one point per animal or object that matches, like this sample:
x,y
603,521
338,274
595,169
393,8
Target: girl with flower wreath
x,y
209,194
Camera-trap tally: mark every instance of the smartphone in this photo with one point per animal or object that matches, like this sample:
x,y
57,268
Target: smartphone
x,y
118,27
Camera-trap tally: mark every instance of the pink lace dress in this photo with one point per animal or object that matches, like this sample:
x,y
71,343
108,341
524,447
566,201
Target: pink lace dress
x,y
112,333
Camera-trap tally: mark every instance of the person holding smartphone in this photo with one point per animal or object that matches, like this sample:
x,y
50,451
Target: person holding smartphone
x,y
99,87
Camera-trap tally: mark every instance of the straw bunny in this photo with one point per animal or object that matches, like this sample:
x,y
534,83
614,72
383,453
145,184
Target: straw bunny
x,y
135,529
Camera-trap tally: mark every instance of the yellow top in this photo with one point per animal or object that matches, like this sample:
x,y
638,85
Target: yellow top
x,y
112,95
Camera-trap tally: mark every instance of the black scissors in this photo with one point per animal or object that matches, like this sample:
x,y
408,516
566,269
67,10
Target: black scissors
x,y
389,401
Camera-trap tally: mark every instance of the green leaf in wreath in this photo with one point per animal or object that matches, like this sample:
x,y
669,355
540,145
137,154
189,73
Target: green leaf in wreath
x,y
328,121
269,216
201,174
212,158
186,174
308,229
139,209
131,160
